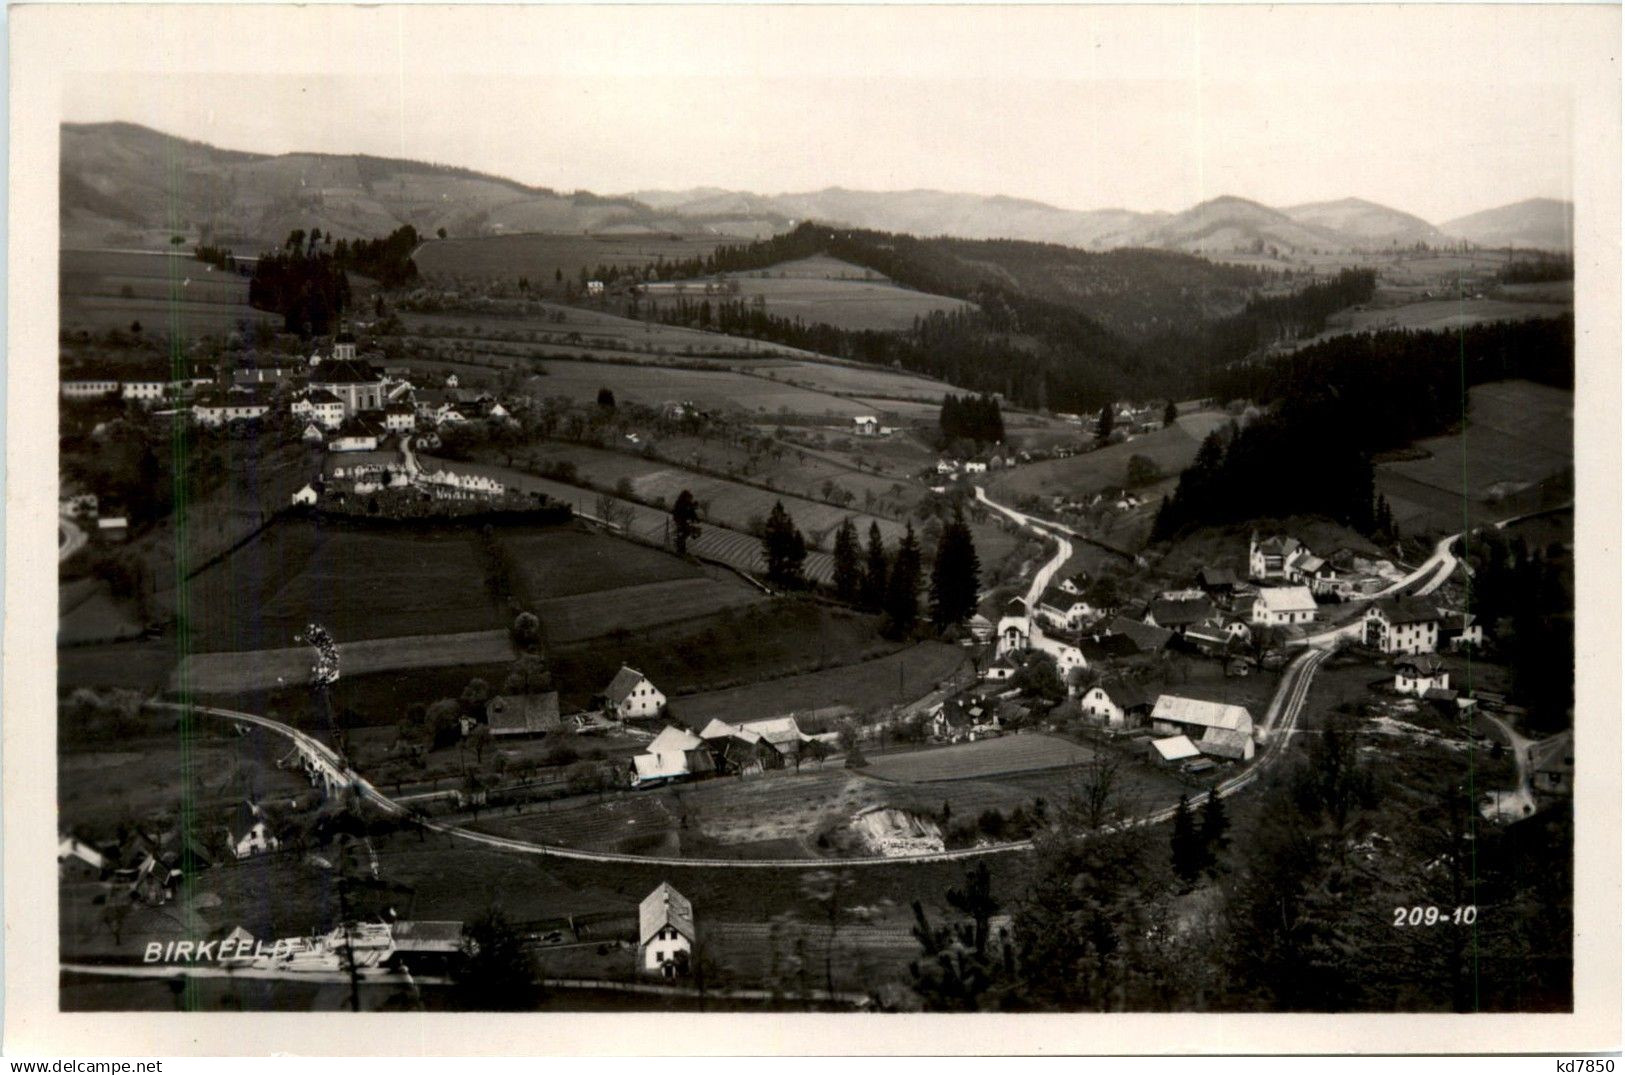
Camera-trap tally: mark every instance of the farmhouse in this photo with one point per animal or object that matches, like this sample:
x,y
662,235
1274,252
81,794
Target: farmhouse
x,y
866,425
1120,705
665,930
1270,560
1067,657
1552,762
1278,606
675,754
1179,614
980,628
77,860
1000,670
1457,630
145,391
353,436
249,376
737,750
1217,581
1146,637
782,733
631,695
1419,674
1217,728
305,496
1074,583
1402,625
1064,610
523,714
248,832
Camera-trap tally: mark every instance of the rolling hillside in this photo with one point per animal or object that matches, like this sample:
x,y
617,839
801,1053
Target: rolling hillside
x,y
1539,223
1368,221
124,184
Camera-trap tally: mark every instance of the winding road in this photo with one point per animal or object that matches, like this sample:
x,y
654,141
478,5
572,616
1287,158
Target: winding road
x,y
1280,721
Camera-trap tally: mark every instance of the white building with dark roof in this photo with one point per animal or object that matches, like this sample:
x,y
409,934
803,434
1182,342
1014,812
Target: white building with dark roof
x,y
1403,625
631,695
1282,606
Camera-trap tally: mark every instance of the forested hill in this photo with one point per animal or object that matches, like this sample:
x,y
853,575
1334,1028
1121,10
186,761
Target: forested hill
x,y
1053,327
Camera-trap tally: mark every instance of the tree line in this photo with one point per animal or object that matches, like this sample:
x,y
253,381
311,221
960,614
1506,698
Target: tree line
x,y
306,280
973,418
1336,404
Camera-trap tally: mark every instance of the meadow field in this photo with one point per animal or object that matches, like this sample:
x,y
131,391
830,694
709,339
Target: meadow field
x,y
733,547
1513,456
360,584
992,757
727,503
1171,448
897,678
167,293
719,390
541,256
817,289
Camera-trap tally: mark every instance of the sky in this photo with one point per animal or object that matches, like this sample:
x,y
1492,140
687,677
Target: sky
x,y
1439,112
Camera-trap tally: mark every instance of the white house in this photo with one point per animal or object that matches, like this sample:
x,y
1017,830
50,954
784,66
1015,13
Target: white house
x,y
1068,658
1013,634
1279,606
1001,669
1419,674
216,411
631,695
88,388
306,495
248,832
1217,728
595,287
400,418
665,931
1269,560
975,466
1063,609
353,436
1116,706
675,754
147,391
321,407
1402,625
1074,583
866,425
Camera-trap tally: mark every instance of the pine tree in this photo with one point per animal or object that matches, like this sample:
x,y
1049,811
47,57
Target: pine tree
x,y
1187,847
1215,831
903,587
1106,420
872,591
955,575
783,548
848,572
1170,414
685,514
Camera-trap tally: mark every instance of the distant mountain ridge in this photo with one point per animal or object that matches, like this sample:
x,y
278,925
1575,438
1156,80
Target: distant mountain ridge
x,y
123,183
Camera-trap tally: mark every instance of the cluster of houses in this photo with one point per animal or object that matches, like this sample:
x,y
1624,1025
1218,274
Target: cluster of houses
x,y
722,749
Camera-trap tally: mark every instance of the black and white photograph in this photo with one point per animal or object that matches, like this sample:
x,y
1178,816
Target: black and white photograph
x,y
823,510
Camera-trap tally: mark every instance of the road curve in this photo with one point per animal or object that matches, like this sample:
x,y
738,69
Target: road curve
x,y
73,538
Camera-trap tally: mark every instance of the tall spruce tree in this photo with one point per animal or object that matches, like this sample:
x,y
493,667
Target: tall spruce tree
x,y
956,574
1215,831
903,587
872,589
848,571
783,547
685,515
1187,845
1107,418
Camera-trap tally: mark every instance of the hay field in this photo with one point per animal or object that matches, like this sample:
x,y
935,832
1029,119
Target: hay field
x,y
991,757
818,289
167,293
1172,449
